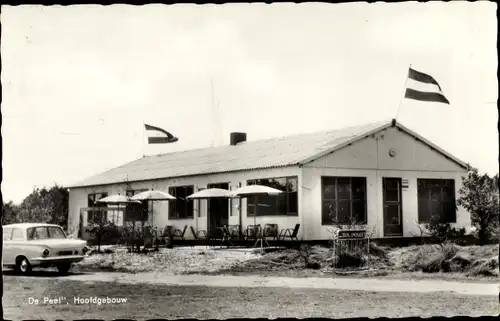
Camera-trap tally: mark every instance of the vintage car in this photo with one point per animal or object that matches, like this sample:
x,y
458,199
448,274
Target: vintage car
x,y
27,245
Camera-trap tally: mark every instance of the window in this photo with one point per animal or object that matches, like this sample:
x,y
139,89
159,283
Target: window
x,y
94,197
181,207
38,233
136,211
7,233
269,205
56,233
17,235
344,200
436,198
92,202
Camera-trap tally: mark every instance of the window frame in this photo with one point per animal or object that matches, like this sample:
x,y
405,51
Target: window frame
x,y
8,230
424,218
335,200
253,200
23,234
49,229
171,204
90,214
145,203
31,231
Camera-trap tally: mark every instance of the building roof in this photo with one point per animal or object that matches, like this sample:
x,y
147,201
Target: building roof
x,y
249,155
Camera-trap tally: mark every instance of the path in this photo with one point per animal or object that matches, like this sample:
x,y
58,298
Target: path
x,y
375,285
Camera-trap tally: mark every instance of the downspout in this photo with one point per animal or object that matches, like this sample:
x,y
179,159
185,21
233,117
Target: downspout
x,y
377,186
301,198
239,210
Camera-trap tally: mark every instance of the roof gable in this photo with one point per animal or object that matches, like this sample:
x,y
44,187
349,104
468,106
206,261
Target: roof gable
x,y
393,123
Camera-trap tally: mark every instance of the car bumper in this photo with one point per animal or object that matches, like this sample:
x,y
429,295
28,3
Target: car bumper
x,y
56,260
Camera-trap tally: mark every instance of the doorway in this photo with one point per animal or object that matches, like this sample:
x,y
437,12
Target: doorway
x,y
217,211
393,209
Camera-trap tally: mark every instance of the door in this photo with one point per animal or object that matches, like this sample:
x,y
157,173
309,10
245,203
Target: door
x,y
217,211
6,247
393,209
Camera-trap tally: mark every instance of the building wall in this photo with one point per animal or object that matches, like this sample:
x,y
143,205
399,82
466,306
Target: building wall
x,y
370,158
78,198
367,158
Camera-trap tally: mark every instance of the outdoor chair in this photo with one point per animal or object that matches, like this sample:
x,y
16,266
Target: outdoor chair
x,y
226,237
234,231
179,233
197,233
271,230
166,232
252,232
291,233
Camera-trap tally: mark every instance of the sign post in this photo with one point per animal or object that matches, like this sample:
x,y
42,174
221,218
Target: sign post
x,y
353,238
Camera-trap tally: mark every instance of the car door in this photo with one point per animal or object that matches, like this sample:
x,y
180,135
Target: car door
x,y
7,255
17,243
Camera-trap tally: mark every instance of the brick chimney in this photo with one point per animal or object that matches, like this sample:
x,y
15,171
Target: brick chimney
x,y
236,138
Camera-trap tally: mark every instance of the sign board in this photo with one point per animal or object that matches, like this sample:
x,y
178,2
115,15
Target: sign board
x,y
404,184
351,234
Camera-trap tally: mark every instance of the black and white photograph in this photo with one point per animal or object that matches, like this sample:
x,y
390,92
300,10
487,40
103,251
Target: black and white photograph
x,y
249,160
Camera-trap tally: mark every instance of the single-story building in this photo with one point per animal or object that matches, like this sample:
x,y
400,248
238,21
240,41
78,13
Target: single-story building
x,y
381,175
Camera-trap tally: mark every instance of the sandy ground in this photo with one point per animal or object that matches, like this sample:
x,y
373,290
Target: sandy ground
x,y
165,301
375,285
178,260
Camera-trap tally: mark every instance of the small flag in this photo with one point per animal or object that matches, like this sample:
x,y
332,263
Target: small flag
x,y
423,87
157,135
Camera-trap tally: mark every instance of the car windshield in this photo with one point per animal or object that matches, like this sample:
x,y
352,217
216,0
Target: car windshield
x,y
45,232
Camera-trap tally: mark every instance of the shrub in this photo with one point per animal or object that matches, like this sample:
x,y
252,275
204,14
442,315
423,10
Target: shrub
x,y
460,262
431,258
350,259
479,196
377,250
442,232
313,265
484,267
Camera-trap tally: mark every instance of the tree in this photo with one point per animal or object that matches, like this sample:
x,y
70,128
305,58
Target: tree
x,y
479,196
10,212
41,206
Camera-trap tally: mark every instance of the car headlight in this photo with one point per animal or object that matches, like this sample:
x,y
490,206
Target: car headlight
x,y
76,252
45,252
85,250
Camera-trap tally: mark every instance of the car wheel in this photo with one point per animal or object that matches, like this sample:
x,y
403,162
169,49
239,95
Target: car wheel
x,y
64,268
23,265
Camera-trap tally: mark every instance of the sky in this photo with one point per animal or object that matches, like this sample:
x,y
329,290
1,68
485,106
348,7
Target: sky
x,y
80,81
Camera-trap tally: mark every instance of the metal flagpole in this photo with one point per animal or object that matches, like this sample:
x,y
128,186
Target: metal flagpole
x,y
143,136
404,91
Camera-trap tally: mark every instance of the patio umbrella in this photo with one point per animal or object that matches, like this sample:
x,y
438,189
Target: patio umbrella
x,y
152,196
116,200
210,193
